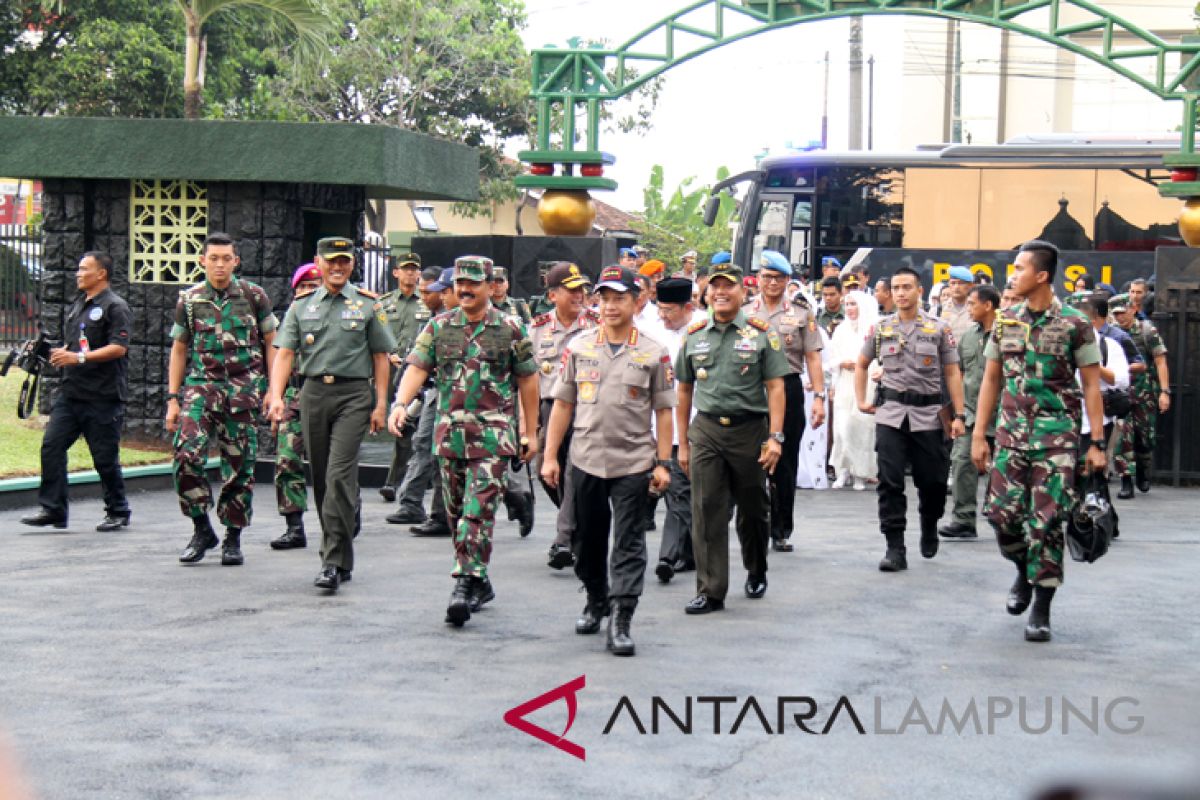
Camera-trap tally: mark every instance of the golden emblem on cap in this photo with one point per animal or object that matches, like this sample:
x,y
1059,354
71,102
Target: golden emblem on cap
x,y
702,373
574,270
309,339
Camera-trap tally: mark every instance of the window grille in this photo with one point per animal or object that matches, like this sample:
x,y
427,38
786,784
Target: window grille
x,y
168,223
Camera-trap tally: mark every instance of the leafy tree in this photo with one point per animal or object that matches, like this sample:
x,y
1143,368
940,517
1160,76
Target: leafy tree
x,y
304,17
670,226
124,58
456,69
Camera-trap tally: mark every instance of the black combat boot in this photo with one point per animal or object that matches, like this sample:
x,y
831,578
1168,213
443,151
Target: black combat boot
x,y
434,526
203,540
1038,627
231,548
595,611
1021,592
482,592
459,610
525,512
1126,492
894,559
929,537
620,616
1143,477
293,538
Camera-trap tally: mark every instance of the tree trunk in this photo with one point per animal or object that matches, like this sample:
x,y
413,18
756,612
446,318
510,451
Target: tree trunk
x,y
191,69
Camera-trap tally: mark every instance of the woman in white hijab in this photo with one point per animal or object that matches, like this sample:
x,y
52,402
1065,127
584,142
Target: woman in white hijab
x,y
853,454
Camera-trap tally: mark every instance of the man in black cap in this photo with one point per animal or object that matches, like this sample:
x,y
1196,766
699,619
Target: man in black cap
x,y
677,311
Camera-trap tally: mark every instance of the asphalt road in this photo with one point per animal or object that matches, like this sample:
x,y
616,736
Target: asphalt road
x,y
124,674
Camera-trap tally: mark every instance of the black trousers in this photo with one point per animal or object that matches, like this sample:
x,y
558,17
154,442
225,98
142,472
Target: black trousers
x,y
599,503
99,422
783,480
676,544
924,451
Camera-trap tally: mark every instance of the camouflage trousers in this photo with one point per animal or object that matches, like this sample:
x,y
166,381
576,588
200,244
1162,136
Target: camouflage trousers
x,y
291,491
1136,437
472,489
1030,493
205,413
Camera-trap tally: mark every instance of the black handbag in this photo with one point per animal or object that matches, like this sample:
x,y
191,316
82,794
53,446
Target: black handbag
x,y
1092,523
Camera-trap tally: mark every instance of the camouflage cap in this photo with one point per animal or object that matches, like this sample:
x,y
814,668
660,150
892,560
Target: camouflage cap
x,y
1119,302
473,268
499,274
1078,300
408,259
334,246
727,270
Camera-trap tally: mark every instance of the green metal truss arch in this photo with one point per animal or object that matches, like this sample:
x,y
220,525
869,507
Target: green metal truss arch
x,y
566,79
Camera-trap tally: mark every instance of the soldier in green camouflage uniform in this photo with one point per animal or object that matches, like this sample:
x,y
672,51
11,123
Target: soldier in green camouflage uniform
x,y
217,379
406,315
1150,392
474,353
1032,355
291,488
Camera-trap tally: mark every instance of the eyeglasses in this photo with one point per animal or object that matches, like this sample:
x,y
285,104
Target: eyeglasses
x,y
770,278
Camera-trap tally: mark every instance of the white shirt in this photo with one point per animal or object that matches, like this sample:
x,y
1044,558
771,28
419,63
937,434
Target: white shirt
x,y
673,341
1119,364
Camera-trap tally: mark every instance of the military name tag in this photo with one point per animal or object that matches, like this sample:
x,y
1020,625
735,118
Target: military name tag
x,y
790,319
743,345
702,346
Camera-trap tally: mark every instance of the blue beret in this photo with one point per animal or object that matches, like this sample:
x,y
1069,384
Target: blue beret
x,y
628,251
722,257
775,261
962,274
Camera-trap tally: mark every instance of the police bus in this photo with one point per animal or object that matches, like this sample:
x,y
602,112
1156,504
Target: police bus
x,y
947,205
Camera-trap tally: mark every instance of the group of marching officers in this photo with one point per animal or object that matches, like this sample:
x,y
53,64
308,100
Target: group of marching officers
x,y
619,392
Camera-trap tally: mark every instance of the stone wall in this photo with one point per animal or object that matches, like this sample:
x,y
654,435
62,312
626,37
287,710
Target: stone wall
x,y
267,219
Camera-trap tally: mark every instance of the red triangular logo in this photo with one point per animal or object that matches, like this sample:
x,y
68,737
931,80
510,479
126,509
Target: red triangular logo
x,y
516,716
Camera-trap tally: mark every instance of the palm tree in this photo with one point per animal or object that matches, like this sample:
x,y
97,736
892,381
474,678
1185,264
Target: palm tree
x,y
304,17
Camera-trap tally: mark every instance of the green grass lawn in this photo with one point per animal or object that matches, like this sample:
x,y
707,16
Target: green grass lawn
x,y
21,439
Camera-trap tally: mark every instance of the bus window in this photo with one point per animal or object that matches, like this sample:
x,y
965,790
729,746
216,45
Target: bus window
x,y
801,232
773,228
860,206
791,178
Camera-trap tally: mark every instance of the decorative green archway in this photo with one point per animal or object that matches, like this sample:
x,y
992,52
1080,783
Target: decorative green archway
x,y
564,80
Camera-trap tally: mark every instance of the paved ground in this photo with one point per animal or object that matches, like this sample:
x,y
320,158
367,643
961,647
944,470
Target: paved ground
x,y
126,675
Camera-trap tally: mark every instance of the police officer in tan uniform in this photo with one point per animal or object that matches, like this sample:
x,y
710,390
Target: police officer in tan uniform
x,y
916,350
796,326
613,383
566,286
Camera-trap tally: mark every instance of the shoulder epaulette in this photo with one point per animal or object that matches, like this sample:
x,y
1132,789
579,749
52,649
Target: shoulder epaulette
x,y
758,323
592,314
305,293
366,293
541,319
698,325
802,301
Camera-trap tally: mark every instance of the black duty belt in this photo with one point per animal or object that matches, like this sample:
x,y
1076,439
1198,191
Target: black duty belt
x,y
328,379
729,420
912,398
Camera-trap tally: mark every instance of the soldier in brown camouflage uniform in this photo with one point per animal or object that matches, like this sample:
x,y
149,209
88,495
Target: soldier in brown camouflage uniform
x,y
223,331
474,353
1032,355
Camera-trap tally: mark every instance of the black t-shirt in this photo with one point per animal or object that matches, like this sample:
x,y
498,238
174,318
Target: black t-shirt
x,y
105,319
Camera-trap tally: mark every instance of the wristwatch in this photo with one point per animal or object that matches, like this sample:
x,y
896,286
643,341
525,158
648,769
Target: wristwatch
x,y
173,396
961,417
1100,443
817,395
82,357
662,462
778,436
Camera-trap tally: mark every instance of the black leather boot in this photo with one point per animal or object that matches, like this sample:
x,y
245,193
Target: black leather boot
x,y
524,503
593,613
620,616
231,548
1021,593
203,539
482,593
293,538
929,537
1038,627
1126,492
1143,478
894,559
459,609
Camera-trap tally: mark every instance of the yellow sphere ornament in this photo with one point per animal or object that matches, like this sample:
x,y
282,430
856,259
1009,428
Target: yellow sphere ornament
x,y
566,212
1189,222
